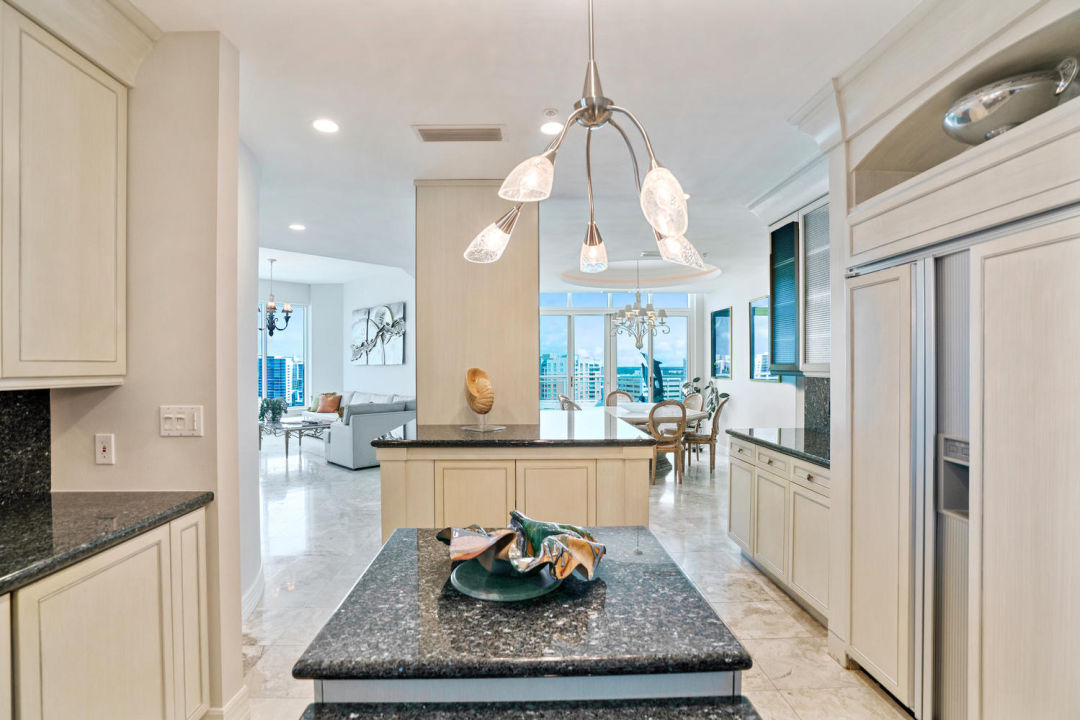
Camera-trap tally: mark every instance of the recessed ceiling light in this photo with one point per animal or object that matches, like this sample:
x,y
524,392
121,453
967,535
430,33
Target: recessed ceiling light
x,y
325,125
297,227
551,126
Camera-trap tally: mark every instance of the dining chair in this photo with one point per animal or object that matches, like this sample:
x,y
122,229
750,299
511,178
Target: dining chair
x,y
566,403
694,440
694,401
667,424
617,396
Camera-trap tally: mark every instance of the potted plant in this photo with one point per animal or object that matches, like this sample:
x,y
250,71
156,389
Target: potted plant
x,y
272,408
709,395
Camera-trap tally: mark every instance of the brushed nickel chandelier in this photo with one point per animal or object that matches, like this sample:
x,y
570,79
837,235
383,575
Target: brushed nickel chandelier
x,y
662,199
637,321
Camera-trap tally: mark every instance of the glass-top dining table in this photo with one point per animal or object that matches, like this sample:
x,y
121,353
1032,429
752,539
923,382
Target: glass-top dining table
x,y
637,413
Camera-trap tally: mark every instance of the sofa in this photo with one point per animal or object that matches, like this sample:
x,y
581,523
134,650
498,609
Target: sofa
x,y
363,417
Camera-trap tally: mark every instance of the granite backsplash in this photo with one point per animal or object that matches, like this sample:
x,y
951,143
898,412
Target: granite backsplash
x,y
816,404
25,460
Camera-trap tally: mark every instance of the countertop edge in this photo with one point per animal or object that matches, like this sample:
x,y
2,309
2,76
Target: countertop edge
x,y
779,448
495,442
736,708
530,667
43,568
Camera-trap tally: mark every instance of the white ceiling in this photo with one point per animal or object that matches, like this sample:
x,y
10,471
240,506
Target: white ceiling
x,y
712,80
312,269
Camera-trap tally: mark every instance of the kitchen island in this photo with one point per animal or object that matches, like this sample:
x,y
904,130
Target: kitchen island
x,y
639,636
585,467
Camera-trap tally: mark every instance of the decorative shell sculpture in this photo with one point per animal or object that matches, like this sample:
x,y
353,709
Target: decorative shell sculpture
x,y
478,391
526,547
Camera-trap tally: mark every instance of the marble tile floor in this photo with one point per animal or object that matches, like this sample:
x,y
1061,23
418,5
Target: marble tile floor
x,y
320,528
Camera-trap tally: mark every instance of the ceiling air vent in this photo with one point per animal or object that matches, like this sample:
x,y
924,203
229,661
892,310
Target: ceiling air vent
x,y
459,133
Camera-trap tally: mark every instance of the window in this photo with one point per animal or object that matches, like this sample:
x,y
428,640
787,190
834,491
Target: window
x,y
721,344
581,358
283,358
759,340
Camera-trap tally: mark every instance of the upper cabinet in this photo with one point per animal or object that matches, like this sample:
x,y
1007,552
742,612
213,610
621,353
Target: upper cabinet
x,y
63,189
799,292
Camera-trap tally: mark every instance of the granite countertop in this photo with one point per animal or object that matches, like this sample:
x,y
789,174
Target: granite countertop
x,y
557,428
41,534
809,445
404,619
706,708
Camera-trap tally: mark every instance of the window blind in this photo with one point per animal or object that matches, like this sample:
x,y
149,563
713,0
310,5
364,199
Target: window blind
x,y
816,293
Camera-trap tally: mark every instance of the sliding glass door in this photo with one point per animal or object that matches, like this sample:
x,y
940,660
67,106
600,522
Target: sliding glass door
x,y
572,351
554,359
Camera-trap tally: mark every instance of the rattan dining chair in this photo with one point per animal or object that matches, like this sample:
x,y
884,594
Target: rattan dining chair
x,y
566,403
617,396
694,440
667,424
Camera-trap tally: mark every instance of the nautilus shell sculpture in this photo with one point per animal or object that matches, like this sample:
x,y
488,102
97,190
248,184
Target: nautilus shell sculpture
x,y
478,391
527,547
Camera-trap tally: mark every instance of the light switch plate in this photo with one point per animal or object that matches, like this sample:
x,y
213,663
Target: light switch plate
x,y
105,449
181,421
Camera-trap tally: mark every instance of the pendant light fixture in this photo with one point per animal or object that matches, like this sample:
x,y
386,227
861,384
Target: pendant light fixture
x,y
271,307
637,321
663,201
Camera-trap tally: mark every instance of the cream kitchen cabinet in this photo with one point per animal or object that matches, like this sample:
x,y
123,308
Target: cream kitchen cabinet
x,y
778,513
122,634
770,529
741,504
808,551
5,658
474,491
63,186
564,489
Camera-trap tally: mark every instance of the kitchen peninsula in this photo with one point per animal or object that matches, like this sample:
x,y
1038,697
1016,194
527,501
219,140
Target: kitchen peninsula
x,y
585,467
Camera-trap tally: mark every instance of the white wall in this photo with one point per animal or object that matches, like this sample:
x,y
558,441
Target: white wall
x,y
388,285
284,292
753,403
251,577
327,338
183,319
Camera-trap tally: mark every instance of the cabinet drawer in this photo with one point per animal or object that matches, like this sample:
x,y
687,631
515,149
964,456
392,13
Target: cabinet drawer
x,y
741,450
810,477
773,461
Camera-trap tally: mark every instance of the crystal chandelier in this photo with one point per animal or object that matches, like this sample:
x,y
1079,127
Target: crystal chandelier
x,y
271,307
639,322
662,199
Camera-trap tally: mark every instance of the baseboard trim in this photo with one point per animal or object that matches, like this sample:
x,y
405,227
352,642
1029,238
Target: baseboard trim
x,y
253,595
238,708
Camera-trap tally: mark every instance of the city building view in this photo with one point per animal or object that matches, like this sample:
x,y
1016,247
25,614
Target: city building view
x,y
284,379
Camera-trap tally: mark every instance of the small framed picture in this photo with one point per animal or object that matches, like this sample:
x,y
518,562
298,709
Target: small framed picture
x,y
721,343
759,341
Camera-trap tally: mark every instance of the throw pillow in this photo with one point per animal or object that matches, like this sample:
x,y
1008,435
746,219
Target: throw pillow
x,y
329,403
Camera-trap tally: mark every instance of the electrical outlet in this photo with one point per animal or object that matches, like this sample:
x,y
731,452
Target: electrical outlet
x,y
105,449
181,421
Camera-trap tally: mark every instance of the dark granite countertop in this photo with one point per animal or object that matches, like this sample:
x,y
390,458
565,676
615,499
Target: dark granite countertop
x,y
809,445
41,534
707,708
591,426
404,619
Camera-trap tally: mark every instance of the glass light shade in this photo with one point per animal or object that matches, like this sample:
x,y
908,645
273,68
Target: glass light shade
x,y
663,202
488,245
530,181
680,251
593,258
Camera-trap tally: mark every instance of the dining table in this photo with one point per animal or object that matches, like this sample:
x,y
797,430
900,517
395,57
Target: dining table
x,y
637,414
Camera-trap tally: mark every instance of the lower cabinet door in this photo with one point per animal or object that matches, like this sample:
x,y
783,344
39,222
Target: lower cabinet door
x,y
474,491
557,490
809,563
741,505
5,658
770,525
95,640
187,543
